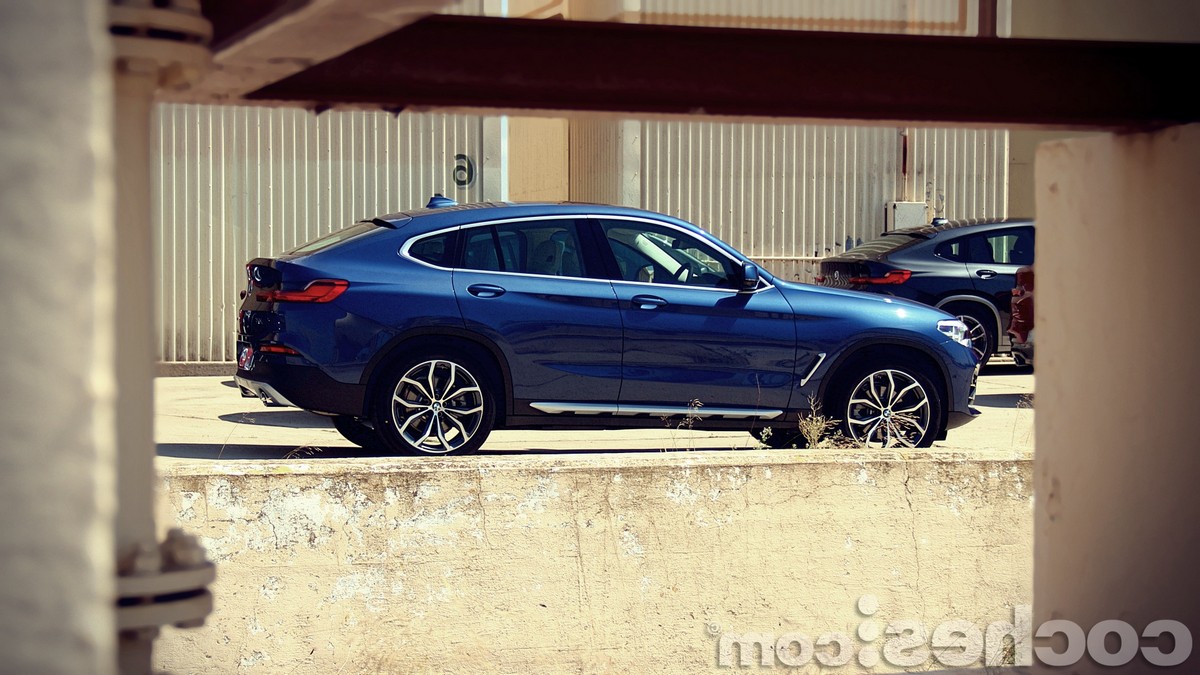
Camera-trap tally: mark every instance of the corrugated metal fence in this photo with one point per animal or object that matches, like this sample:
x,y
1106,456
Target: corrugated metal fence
x,y
237,183
789,195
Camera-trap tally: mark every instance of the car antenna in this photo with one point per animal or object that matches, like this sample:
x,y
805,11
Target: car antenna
x,y
437,201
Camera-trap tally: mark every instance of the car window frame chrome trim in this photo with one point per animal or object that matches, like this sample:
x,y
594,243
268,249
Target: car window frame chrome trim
x,y
403,251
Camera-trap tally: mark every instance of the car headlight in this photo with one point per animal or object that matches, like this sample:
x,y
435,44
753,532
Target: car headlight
x,y
956,330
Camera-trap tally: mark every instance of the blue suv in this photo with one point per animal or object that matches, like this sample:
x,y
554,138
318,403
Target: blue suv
x,y
420,332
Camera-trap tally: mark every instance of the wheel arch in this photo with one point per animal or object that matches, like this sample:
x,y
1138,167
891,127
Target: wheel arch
x,y
441,339
975,299
900,349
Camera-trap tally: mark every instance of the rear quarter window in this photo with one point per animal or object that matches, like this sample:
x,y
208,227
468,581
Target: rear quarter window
x,y
436,250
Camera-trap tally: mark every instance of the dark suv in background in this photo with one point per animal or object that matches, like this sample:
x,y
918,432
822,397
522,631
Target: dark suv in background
x,y
964,267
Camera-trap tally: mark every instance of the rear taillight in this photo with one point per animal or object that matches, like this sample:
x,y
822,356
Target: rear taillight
x,y
277,349
321,290
820,278
892,277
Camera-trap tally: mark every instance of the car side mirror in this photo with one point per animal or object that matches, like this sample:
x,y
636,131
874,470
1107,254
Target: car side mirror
x,y
749,280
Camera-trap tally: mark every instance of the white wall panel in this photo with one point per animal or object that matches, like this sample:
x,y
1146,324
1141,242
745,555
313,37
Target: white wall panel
x,y
959,173
234,183
789,195
927,17
786,195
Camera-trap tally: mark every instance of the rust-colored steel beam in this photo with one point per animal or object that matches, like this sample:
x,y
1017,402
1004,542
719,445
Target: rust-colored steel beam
x,y
476,62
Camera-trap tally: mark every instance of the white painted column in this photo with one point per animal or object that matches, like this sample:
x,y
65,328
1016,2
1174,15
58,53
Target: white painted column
x,y
57,442
1117,508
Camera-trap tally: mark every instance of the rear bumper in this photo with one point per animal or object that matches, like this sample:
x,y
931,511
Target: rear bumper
x,y
958,416
1024,349
304,387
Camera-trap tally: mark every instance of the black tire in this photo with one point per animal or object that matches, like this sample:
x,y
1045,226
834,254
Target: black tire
x,y
435,404
358,432
887,402
981,329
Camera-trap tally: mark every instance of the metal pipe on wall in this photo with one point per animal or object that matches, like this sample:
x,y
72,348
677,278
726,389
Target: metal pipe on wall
x,y
153,46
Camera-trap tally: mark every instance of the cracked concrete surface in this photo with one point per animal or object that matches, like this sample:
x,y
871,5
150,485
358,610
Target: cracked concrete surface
x,y
578,552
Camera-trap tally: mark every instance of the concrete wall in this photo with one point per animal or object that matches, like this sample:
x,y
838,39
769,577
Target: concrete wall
x,y
57,436
1116,387
632,562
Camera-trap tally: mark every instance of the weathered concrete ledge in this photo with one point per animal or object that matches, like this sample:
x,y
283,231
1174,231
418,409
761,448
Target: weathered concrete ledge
x,y
618,562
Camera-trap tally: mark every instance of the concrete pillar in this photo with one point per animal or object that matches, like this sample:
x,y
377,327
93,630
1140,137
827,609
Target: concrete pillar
x,y
57,439
1116,503
1157,21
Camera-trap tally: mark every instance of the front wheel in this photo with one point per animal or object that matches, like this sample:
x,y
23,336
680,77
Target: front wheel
x,y
886,405
435,405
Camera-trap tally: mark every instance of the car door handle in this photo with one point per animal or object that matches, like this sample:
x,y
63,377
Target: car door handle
x,y
485,290
647,301
985,274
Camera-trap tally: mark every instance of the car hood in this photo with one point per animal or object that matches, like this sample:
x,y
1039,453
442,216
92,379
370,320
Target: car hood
x,y
806,295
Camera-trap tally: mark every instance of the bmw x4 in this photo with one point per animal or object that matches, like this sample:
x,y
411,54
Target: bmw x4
x,y
421,332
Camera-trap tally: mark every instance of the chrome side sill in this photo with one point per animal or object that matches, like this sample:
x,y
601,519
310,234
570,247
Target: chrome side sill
x,y
555,408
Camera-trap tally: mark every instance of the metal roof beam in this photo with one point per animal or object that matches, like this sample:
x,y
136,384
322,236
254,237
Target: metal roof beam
x,y
649,70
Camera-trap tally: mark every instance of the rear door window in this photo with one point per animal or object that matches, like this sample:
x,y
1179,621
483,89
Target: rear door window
x,y
542,247
1001,247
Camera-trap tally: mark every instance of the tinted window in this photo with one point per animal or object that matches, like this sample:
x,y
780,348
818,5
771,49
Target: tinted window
x,y
659,254
1004,247
434,250
549,247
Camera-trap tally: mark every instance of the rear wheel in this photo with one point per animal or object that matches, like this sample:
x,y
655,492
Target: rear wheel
x,y
435,404
886,404
983,338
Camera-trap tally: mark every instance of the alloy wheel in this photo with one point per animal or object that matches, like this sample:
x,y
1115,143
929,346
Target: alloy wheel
x,y
437,406
888,408
977,334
